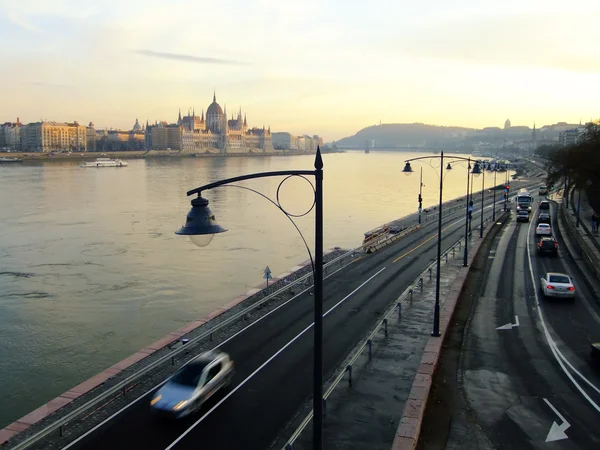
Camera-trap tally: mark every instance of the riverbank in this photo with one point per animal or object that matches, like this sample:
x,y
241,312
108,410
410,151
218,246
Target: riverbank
x,y
37,156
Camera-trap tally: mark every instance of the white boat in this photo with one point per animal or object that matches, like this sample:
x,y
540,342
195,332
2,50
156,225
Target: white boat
x,y
10,160
105,162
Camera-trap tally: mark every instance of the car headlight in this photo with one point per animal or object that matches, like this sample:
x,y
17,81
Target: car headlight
x,y
180,405
155,399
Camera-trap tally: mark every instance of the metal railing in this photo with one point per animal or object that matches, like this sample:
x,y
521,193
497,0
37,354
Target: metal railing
x,y
121,386
368,342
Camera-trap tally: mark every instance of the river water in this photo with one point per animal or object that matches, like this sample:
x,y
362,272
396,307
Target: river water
x,y
91,270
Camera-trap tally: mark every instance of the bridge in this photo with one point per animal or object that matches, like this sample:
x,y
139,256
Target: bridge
x,y
268,333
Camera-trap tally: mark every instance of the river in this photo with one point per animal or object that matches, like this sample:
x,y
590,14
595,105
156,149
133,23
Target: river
x,y
91,270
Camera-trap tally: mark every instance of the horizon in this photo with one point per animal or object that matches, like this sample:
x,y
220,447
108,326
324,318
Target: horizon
x,y
329,69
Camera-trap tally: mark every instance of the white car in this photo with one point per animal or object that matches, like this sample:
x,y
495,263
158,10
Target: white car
x,y
543,229
557,285
193,384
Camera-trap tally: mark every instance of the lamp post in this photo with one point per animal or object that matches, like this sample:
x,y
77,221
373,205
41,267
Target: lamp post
x,y
578,208
494,207
420,195
201,227
477,170
408,170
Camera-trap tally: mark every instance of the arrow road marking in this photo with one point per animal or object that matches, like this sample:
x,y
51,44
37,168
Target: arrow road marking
x,y
510,326
557,432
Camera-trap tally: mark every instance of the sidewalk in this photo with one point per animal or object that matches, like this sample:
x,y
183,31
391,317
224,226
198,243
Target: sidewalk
x,y
587,245
384,405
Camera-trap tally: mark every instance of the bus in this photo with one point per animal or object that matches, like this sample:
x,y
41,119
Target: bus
x,y
524,200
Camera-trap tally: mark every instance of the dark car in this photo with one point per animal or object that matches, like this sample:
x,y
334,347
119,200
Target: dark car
x,y
544,204
548,246
543,217
522,216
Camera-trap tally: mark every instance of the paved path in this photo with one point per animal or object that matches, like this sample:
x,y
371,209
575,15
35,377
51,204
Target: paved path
x,y
528,387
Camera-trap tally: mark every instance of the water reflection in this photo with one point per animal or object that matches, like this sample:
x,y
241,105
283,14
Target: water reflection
x,y
91,270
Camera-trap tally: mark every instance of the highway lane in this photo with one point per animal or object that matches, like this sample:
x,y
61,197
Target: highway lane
x,y
519,390
288,376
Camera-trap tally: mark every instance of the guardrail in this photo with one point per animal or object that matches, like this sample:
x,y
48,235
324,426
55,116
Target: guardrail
x,y
587,253
368,342
60,424
122,385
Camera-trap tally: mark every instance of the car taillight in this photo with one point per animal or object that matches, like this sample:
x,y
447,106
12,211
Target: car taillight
x,y
556,245
550,286
571,288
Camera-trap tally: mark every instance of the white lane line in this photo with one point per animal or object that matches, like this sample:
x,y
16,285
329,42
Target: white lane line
x,y
264,365
214,348
579,374
551,343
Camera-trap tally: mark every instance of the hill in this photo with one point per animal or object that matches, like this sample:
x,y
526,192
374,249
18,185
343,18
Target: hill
x,y
407,135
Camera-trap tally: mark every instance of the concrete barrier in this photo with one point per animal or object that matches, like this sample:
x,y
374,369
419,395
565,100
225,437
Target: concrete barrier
x,y
588,250
409,428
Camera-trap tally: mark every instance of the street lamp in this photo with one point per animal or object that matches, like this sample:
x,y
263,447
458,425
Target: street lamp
x,y
408,170
201,227
478,170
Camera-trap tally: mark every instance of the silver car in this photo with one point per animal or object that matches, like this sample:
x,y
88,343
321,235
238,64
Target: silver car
x,y
557,285
193,384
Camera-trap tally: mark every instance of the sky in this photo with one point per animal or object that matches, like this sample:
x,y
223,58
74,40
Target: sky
x,y
307,67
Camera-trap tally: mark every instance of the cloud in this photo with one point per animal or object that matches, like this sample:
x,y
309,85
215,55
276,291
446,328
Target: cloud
x,y
22,23
189,58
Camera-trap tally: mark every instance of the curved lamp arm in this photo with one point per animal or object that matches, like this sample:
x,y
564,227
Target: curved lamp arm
x,y
201,221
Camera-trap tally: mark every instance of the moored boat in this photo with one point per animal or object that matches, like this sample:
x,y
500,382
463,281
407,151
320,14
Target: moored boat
x,y
10,160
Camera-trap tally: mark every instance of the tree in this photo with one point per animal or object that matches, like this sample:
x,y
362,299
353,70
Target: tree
x,y
580,164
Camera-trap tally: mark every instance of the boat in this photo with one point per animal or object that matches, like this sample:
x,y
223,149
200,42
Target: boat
x,y
105,162
367,149
10,160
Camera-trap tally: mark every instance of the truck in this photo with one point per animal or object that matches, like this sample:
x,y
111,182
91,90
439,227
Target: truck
x,y
524,200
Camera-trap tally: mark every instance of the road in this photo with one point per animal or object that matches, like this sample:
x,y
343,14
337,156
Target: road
x,y
274,358
529,386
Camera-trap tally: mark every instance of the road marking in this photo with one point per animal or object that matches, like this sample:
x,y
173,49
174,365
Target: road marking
x,y
263,365
425,242
557,432
510,326
553,347
214,348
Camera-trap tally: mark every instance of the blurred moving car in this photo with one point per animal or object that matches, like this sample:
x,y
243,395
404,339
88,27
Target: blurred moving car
x,y
543,229
547,246
193,384
545,204
555,284
543,217
522,216
543,190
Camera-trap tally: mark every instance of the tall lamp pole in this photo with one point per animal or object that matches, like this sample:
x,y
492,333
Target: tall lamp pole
x,y
494,207
408,170
578,208
478,170
420,195
201,227
467,218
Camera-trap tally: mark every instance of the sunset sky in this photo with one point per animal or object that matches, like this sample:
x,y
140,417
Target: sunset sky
x,y
309,66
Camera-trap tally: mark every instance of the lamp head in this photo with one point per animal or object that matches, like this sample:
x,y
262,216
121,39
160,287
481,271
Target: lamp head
x,y
449,167
200,223
407,169
476,170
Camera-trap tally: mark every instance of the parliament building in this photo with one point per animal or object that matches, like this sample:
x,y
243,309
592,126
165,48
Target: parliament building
x,y
214,133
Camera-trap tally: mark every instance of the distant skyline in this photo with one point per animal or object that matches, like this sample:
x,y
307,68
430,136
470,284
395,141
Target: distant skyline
x,y
317,67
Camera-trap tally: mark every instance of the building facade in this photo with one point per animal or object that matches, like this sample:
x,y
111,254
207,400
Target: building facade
x,y
569,137
53,136
10,136
213,133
